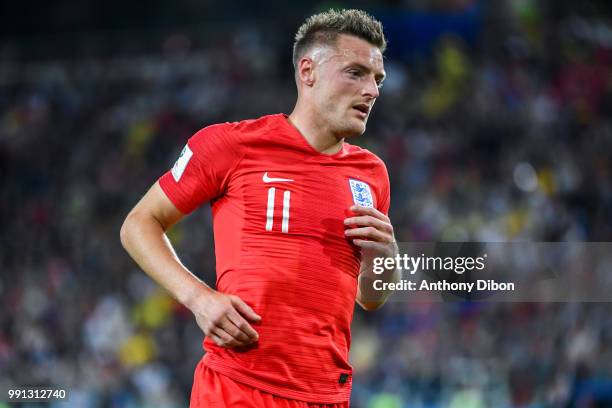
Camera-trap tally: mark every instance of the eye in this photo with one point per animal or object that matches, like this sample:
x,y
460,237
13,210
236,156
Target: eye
x,y
355,73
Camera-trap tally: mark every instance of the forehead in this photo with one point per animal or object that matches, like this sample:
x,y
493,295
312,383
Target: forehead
x,y
349,49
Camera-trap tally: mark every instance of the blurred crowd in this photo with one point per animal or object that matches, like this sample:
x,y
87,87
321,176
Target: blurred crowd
x,y
486,142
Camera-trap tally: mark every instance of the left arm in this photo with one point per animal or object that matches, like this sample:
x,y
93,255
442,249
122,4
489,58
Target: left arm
x,y
373,233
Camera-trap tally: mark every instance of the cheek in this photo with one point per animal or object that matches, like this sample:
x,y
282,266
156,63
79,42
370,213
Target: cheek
x,y
342,95
338,85
335,94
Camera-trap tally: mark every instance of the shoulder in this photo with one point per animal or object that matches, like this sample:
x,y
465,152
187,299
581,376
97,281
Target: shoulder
x,y
366,156
372,164
235,134
253,126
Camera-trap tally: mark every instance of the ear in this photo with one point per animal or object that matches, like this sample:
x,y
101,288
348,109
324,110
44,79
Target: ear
x,y
305,71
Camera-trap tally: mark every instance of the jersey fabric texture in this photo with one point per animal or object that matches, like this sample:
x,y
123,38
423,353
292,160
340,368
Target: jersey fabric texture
x,y
278,208
214,390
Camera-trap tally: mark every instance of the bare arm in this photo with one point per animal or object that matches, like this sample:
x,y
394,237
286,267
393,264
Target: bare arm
x,y
367,297
143,235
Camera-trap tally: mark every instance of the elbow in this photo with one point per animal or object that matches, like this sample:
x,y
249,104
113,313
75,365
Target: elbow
x,y
370,306
124,232
134,224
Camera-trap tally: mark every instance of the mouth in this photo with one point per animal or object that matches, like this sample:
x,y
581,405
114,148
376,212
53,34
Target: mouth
x,y
362,110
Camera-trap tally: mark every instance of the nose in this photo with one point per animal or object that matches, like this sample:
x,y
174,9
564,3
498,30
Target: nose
x,y
371,88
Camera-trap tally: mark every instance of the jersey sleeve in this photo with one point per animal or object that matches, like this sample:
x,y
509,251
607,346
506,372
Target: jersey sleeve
x,y
202,170
384,190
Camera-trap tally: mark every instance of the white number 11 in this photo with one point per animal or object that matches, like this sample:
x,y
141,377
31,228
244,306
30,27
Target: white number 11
x,y
270,210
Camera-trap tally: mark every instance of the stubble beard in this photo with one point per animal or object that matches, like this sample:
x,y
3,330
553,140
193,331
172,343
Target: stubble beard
x,y
345,125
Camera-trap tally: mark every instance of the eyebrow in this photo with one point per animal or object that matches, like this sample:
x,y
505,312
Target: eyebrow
x,y
378,77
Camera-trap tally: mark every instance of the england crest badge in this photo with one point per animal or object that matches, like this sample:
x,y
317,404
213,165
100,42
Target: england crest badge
x,y
362,195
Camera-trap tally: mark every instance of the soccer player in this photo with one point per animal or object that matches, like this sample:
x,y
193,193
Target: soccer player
x,y
295,209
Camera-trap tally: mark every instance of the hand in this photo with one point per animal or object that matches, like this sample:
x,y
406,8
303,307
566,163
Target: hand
x,y
224,318
372,231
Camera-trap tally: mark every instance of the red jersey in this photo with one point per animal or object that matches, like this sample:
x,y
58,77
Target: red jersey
x,y
278,209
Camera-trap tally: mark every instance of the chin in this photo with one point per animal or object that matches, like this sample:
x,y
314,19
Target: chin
x,y
352,128
356,129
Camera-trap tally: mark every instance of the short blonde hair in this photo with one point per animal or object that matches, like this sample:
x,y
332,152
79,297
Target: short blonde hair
x,y
325,27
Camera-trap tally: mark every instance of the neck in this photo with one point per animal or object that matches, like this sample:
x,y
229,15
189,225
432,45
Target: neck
x,y
317,134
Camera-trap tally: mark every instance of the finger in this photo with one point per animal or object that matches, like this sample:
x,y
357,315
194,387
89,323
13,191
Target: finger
x,y
237,334
369,221
245,328
370,233
371,248
369,211
245,309
370,245
218,341
226,339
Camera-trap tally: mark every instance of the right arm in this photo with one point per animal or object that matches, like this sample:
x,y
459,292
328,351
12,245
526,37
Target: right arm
x,y
222,317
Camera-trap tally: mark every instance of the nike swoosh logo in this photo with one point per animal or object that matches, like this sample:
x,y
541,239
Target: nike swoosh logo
x,y
267,179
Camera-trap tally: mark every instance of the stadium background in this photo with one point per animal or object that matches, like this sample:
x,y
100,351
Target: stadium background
x,y
495,124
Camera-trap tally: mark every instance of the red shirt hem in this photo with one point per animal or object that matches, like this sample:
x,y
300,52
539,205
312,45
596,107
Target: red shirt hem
x,y
236,374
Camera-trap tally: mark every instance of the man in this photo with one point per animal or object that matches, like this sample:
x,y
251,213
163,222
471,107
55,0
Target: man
x,y
295,209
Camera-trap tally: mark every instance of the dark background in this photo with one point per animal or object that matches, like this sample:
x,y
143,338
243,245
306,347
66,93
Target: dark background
x,y
495,124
